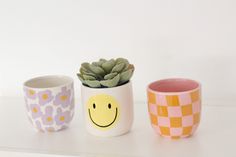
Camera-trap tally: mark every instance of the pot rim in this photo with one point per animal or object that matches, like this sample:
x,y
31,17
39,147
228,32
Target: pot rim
x,y
100,89
68,82
174,93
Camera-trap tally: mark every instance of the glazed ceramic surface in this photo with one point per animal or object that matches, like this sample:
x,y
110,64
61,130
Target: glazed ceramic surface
x,y
49,102
108,111
174,107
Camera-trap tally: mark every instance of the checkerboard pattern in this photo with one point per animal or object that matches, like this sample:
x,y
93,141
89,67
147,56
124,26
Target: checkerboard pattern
x,y
175,116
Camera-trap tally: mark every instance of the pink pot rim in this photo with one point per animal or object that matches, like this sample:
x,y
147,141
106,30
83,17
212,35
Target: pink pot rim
x,y
198,86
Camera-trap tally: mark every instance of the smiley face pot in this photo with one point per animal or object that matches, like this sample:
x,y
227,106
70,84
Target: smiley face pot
x,y
108,111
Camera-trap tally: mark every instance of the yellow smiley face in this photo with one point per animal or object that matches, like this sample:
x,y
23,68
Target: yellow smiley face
x,y
103,111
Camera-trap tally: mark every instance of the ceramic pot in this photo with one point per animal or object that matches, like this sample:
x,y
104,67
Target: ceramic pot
x,y
49,102
174,107
108,111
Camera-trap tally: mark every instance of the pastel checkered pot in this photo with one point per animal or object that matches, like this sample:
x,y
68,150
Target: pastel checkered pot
x,y
49,102
174,107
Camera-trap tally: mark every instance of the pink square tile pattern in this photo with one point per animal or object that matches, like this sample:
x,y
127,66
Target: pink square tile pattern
x,y
185,99
161,100
187,121
196,107
153,109
174,111
164,121
176,131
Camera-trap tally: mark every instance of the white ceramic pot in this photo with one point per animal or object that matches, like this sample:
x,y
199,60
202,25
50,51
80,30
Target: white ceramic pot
x,y
108,111
49,102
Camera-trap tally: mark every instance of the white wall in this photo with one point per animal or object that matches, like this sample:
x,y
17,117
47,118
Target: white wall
x,y
163,38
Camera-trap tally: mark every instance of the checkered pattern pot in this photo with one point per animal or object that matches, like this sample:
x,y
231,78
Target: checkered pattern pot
x,y
174,114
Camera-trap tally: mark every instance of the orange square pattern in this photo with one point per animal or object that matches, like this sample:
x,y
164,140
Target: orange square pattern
x,y
195,96
162,111
178,124
151,98
165,131
196,118
172,100
153,119
187,110
187,130
175,122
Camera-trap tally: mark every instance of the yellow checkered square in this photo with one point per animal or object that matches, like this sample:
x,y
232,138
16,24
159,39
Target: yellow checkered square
x,y
153,119
187,110
187,130
172,100
195,96
175,122
165,131
151,98
162,111
196,118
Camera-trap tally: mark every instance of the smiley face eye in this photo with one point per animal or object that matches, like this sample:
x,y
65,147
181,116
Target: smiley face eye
x,y
94,106
109,105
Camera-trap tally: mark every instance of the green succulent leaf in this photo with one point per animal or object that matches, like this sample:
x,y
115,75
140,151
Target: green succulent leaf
x,y
85,66
96,63
80,77
97,70
108,65
93,83
89,77
106,73
112,82
118,68
126,75
86,72
83,70
102,60
110,76
121,60
99,63
126,67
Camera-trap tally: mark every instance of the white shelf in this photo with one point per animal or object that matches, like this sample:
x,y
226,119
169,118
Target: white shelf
x,y
216,135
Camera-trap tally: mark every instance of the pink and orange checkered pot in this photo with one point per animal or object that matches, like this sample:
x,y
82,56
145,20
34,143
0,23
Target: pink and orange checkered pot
x,y
174,107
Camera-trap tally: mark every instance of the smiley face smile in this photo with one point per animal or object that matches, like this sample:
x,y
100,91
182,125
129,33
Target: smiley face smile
x,y
103,111
103,126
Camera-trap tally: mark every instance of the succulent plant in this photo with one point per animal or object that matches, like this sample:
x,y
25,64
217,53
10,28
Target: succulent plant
x,y
106,73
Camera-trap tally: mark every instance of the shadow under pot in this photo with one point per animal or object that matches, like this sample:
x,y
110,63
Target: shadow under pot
x,y
108,111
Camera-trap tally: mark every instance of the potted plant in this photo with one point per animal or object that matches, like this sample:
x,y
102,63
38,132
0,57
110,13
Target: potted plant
x,y
107,96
